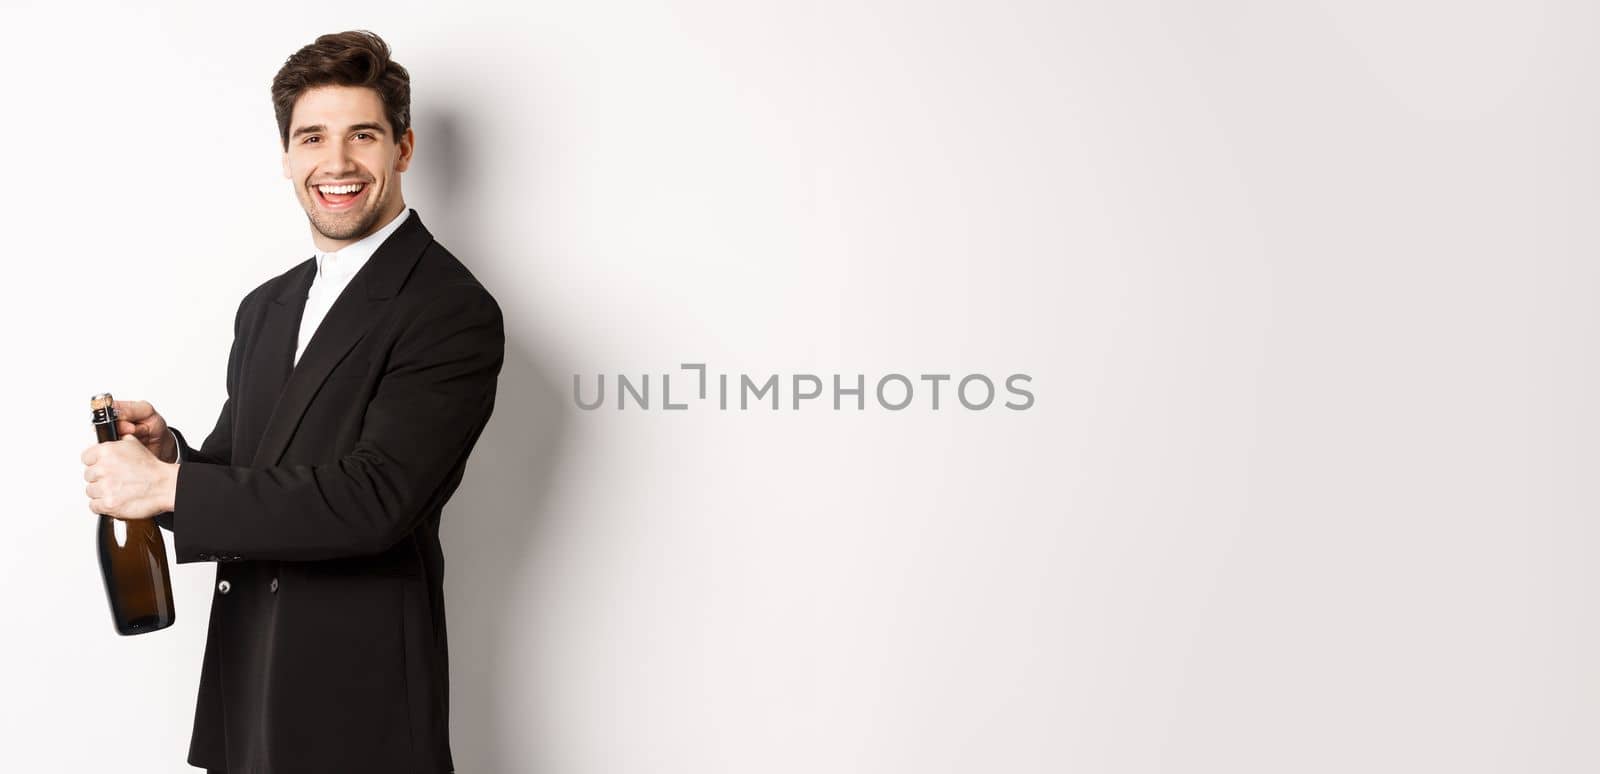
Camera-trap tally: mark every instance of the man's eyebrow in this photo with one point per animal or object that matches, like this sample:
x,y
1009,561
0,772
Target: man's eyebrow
x,y
376,128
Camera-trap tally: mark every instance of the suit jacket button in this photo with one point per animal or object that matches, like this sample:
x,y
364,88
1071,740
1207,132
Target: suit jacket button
x,y
274,585
224,586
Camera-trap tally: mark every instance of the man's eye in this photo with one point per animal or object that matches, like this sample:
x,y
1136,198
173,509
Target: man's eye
x,y
362,134
308,139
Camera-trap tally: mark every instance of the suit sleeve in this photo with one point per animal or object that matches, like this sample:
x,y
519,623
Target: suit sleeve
x,y
218,447
433,401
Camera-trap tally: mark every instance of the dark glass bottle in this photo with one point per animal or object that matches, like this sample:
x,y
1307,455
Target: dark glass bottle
x,y
138,584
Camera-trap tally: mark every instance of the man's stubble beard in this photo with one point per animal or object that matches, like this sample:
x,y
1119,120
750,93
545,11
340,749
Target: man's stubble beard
x,y
336,227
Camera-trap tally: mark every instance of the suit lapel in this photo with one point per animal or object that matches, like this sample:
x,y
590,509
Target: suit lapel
x,y
352,315
279,331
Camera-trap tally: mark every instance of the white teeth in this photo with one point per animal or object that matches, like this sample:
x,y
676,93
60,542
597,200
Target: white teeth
x,y
340,189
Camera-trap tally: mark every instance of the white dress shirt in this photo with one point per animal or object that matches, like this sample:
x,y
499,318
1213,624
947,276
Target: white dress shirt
x,y
334,271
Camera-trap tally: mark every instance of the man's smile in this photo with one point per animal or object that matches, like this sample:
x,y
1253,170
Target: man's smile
x,y
340,197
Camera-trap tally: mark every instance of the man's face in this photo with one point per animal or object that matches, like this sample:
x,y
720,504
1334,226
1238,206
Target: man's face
x,y
339,136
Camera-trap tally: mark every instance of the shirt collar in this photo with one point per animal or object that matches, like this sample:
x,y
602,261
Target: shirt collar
x,y
349,259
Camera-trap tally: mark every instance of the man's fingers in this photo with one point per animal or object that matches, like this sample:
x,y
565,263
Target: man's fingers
x,y
133,410
146,433
90,455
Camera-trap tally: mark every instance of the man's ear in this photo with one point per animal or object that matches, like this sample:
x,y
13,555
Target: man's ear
x,y
408,143
286,175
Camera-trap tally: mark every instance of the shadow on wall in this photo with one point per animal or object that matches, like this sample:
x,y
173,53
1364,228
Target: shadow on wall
x,y
492,526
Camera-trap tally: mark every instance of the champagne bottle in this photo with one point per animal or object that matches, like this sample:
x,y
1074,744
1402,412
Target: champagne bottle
x,y
138,584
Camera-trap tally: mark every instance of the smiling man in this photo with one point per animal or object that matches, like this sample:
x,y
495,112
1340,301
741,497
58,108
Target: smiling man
x,y
358,383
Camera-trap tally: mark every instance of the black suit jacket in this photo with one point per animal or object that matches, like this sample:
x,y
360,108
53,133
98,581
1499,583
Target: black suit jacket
x,y
319,494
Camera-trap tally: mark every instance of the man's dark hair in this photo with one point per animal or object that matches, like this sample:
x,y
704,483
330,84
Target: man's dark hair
x,y
354,58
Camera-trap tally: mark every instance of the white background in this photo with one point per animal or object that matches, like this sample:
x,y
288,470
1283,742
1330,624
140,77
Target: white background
x,y
1304,288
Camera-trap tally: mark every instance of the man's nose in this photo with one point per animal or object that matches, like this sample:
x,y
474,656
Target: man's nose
x,y
340,158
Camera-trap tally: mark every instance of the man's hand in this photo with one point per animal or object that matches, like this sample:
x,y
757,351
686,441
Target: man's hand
x,y
127,481
139,419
